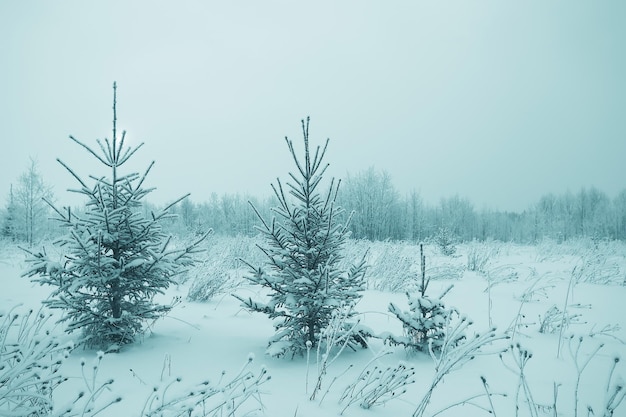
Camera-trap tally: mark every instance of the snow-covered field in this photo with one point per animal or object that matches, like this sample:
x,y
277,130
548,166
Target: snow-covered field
x,y
513,288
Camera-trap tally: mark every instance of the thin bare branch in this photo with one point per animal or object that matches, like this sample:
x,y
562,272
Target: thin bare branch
x,y
90,151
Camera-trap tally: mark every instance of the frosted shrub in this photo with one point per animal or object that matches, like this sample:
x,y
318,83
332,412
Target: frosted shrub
x,y
390,273
479,255
210,284
547,249
218,272
391,265
445,271
502,274
30,359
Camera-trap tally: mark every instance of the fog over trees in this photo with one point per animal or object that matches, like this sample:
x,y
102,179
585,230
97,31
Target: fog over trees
x,y
380,212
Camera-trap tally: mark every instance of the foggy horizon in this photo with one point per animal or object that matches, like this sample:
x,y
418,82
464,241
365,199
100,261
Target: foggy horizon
x,y
499,104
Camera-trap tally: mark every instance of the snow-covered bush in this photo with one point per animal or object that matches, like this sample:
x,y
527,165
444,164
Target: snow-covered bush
x,y
479,254
390,265
218,273
210,280
391,269
116,258
445,271
304,252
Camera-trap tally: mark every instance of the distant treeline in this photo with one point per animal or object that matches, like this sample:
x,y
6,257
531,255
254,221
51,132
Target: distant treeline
x,y
380,213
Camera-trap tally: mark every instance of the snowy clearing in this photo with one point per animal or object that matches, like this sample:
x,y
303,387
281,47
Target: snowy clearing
x,y
568,291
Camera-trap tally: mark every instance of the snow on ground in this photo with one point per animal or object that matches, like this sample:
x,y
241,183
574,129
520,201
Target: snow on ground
x,y
199,341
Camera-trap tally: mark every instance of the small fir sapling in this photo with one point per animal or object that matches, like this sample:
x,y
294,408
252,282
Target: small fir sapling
x,y
427,323
116,258
304,250
446,241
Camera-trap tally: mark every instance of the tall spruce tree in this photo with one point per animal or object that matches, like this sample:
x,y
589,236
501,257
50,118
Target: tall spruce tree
x,y
116,258
304,272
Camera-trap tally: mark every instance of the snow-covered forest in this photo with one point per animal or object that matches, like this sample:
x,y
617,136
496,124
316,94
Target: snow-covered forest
x,y
560,303
381,213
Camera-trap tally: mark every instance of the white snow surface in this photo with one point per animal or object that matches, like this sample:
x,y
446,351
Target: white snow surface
x,y
199,341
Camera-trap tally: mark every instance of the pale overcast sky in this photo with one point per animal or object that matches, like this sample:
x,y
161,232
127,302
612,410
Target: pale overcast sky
x,y
500,102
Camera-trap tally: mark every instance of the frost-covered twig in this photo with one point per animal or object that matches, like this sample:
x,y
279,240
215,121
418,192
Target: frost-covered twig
x,y
338,333
495,276
606,331
520,357
30,358
376,386
556,320
574,277
574,351
207,398
452,357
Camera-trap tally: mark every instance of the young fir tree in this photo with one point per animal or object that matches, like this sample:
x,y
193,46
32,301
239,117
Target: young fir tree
x,y
116,259
429,323
304,250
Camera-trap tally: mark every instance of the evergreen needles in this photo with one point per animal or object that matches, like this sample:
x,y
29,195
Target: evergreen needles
x,y
116,259
304,252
